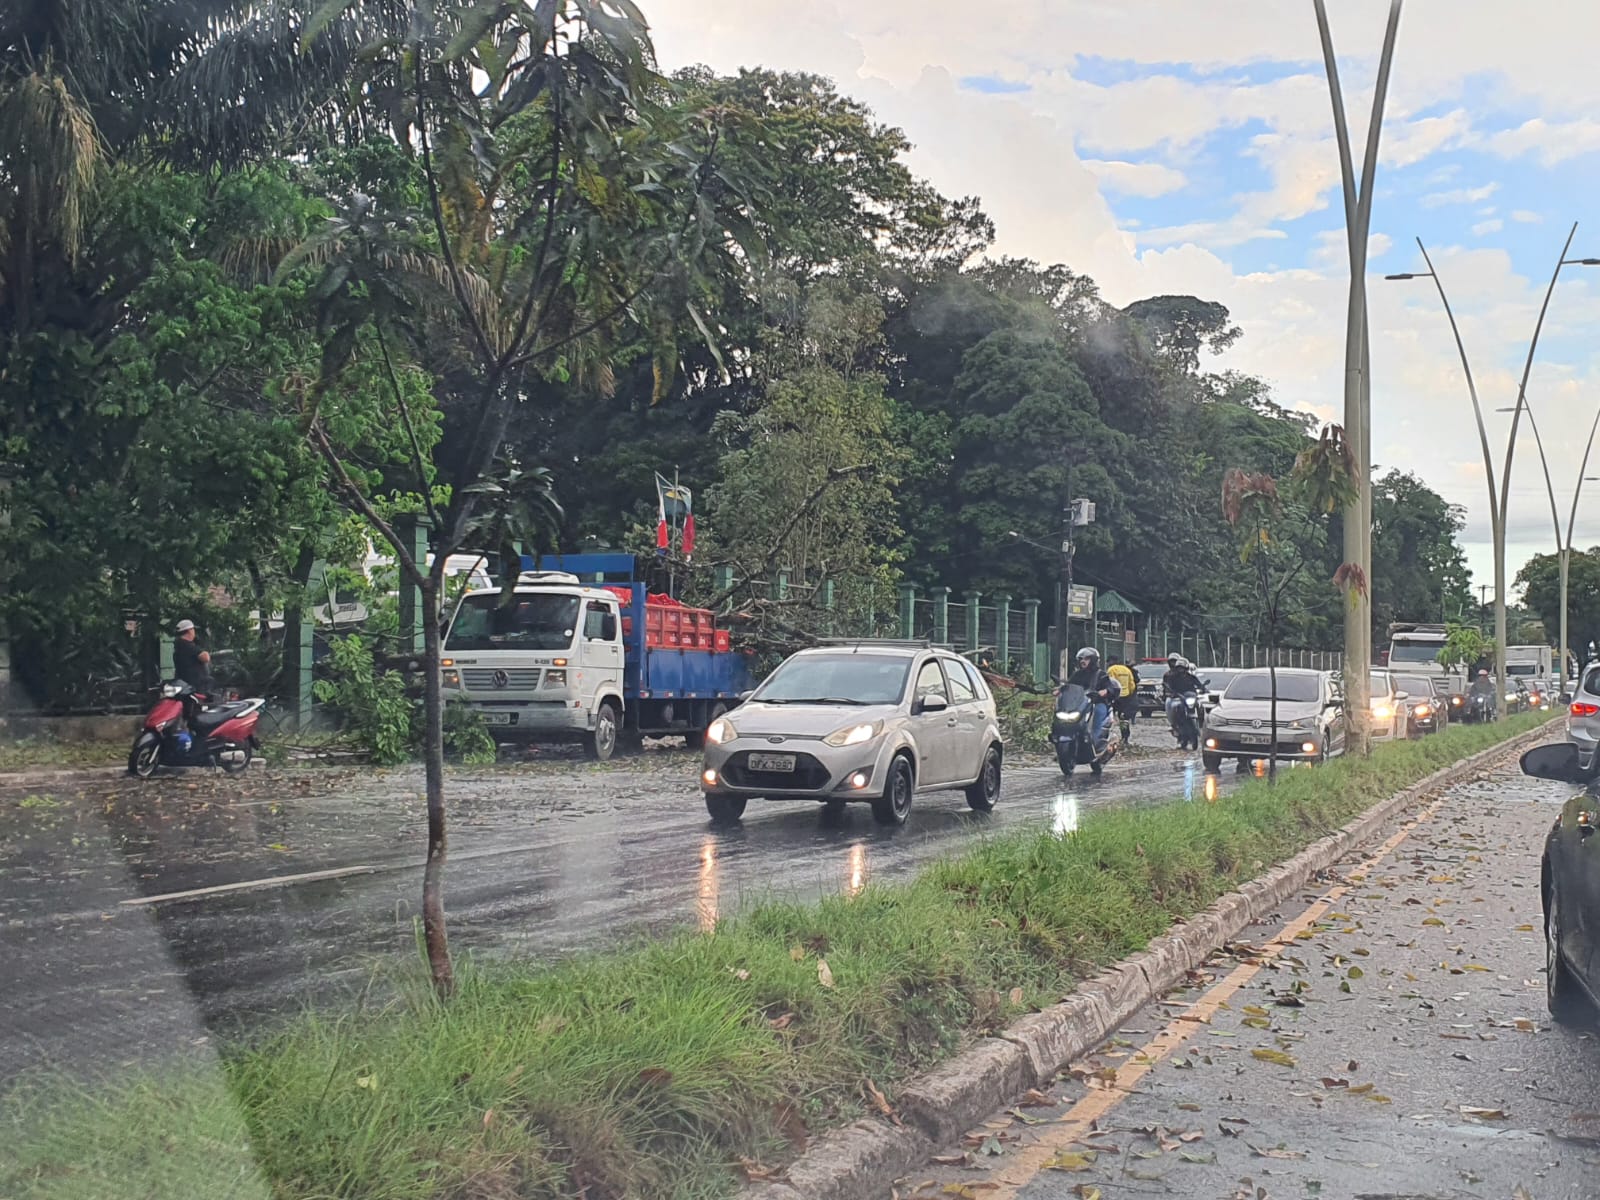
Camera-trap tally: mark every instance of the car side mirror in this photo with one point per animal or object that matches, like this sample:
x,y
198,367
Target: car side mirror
x,y
1558,761
1402,695
743,696
932,704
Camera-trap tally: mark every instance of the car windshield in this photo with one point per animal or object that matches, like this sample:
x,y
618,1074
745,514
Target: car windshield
x,y
1217,680
1257,685
841,678
529,622
1381,684
1415,685
1415,652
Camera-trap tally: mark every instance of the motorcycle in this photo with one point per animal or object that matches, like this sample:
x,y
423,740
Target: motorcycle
x,y
1183,714
1072,733
1480,708
183,730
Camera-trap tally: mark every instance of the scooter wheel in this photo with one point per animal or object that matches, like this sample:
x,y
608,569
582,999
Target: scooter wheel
x,y
236,768
144,760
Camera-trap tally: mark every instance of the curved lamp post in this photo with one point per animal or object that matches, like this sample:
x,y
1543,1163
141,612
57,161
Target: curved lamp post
x,y
1499,502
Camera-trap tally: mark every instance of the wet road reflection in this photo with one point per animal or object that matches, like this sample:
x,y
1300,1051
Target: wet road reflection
x,y
541,866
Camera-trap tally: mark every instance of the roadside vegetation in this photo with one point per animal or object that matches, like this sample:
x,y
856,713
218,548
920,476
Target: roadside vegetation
x,y
675,1067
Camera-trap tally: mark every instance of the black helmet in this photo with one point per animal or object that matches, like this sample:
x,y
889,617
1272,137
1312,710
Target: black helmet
x,y
1088,655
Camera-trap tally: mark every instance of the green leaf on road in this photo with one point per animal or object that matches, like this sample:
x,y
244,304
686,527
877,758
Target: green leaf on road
x,y
1273,1056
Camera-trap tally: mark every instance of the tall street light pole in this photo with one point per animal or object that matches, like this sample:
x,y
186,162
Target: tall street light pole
x,y
1500,502
1357,368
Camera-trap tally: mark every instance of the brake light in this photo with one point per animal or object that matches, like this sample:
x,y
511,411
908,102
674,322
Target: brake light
x,y
1580,709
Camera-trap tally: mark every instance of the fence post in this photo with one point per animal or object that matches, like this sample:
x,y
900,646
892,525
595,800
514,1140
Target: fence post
x,y
414,529
941,615
1002,632
780,585
972,620
165,644
722,578
829,600
1030,634
908,610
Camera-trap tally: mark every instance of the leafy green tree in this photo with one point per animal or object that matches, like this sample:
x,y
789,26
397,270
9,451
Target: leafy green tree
x,y
1419,571
1540,582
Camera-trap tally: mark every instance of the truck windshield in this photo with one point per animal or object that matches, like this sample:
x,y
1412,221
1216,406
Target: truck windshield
x,y
1414,652
526,623
861,678
1528,669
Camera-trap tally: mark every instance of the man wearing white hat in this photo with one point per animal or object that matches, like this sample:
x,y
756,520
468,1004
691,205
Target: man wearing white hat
x,y
189,661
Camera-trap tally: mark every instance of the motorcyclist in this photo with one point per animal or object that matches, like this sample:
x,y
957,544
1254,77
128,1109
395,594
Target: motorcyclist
x,y
1180,678
1102,689
1126,677
1484,686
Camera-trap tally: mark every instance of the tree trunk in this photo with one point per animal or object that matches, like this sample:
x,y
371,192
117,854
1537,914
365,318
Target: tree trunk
x,y
435,937
1272,714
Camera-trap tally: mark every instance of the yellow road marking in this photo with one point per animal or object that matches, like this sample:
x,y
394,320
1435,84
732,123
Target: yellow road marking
x,y
1079,1121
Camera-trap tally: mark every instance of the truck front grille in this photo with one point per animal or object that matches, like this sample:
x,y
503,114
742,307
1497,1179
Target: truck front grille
x,y
518,679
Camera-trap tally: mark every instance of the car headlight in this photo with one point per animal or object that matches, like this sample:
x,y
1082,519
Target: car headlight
x,y
1423,710
1456,700
721,730
555,679
855,734
1298,725
451,679
1066,716
1382,712
1511,695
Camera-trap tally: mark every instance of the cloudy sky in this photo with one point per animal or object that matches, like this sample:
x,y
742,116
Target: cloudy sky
x,y
1178,146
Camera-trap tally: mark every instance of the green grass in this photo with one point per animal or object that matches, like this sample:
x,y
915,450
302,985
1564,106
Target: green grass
x,y
648,1071
21,754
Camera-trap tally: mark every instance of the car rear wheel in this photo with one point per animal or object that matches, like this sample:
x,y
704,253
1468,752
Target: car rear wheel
x,y
1566,999
894,805
725,810
982,794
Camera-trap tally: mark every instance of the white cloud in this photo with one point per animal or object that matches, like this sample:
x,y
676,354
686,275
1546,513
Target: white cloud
x,y
1526,216
1550,142
1491,226
1146,179
1460,196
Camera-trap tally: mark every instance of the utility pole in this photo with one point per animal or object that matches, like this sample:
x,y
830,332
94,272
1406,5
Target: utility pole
x,y
1064,601
1357,364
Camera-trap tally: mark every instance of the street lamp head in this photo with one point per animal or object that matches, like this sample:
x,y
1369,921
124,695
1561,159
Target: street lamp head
x,y
1012,533
1580,262
1409,275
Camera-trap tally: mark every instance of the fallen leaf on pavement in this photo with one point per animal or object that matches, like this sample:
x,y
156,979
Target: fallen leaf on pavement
x,y
1483,1114
1193,1156
1524,928
1276,1152
950,1160
1086,1191
1034,1098
969,1191
1072,1160
876,1098
1432,921
1328,1081
1273,1056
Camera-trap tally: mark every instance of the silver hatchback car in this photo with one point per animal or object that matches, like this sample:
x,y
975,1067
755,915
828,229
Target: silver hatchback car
x,y
1583,720
867,721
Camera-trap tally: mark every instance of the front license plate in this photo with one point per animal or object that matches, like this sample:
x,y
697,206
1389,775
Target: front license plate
x,y
1253,739
495,718
776,763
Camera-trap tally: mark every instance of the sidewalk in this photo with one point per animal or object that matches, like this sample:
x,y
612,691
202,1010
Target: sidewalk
x,y
1384,1037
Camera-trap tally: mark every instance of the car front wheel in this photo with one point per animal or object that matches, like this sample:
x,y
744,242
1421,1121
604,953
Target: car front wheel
x,y
894,805
982,794
1565,997
725,810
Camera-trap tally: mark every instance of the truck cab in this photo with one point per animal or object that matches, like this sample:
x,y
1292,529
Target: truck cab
x,y
583,651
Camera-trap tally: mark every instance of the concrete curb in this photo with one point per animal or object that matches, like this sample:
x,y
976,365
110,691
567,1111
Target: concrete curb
x,y
862,1161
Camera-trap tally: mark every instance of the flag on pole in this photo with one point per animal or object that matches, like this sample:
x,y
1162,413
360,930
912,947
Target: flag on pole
x,y
675,509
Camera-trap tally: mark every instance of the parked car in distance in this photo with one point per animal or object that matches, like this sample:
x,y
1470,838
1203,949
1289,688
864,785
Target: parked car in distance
x,y
1567,874
866,721
1150,672
1426,710
1311,718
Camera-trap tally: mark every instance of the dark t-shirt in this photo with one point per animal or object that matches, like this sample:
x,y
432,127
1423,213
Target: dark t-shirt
x,y
186,663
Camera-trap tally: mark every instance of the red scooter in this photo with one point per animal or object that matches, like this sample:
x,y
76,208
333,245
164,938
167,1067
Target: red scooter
x,y
184,730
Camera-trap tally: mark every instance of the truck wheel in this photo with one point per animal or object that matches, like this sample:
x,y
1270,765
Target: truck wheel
x,y
696,740
601,742
725,810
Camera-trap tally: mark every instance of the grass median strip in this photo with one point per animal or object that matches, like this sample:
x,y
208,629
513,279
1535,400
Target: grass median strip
x,y
664,1069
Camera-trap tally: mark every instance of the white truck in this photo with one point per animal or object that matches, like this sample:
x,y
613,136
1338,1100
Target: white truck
x,y
1534,665
1414,648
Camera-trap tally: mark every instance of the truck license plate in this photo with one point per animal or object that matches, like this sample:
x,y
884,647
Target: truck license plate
x,y
1253,739
499,718
776,763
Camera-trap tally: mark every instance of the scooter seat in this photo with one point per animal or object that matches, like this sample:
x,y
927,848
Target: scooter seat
x,y
210,718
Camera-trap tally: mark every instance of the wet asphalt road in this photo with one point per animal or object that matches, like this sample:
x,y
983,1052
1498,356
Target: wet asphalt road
x,y
547,859
1398,1049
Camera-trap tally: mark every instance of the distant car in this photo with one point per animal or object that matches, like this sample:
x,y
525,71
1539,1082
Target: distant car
x,y
1426,710
1217,680
1583,718
1311,718
1388,708
872,722
1150,672
1567,874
